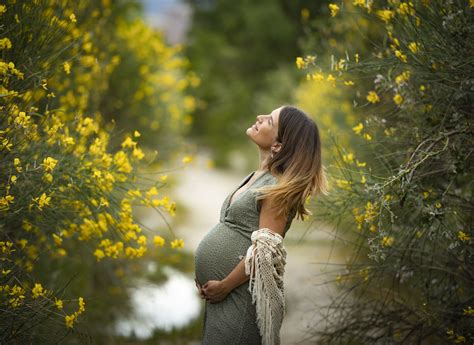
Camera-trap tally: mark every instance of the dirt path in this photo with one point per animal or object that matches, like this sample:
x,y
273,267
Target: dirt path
x,y
202,190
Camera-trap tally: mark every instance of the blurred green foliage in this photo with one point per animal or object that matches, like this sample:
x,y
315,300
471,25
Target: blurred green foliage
x,y
244,52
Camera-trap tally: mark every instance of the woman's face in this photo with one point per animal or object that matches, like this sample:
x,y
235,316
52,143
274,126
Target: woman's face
x,y
265,130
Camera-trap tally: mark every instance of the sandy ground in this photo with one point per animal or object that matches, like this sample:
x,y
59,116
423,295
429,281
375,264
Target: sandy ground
x,y
202,190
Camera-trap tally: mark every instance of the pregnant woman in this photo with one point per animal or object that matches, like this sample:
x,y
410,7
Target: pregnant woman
x,y
268,199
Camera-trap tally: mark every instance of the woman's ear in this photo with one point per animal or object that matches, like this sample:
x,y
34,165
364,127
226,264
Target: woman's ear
x,y
276,147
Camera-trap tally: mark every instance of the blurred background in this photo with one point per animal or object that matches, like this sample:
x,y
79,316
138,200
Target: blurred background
x,y
244,55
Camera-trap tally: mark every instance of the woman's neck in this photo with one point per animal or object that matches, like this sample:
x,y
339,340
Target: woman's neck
x,y
264,158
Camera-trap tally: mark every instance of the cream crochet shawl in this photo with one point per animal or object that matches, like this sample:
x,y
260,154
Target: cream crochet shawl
x,y
265,263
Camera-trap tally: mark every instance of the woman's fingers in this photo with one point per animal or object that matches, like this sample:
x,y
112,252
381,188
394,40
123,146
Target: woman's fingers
x,y
201,292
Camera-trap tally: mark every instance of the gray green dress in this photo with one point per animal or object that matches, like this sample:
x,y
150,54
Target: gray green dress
x,y
233,320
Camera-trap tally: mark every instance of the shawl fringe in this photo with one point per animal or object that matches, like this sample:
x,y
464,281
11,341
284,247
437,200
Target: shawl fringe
x,y
265,264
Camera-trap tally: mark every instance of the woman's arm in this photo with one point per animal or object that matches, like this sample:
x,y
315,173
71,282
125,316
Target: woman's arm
x,y
268,219
236,278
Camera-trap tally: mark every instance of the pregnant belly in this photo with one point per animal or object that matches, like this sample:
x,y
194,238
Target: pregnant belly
x,y
218,253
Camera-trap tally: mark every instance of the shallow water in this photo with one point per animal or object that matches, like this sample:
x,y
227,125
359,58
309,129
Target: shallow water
x,y
172,304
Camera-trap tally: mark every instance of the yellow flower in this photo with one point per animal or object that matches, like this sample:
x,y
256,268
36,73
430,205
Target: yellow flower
x,y
334,9
67,67
387,241
406,8
136,134
141,240
128,142
400,55
22,119
343,184
395,42
49,163
3,9
69,319
413,46
373,228
360,164
187,159
58,303
158,241
38,291
402,78
152,191
363,179
438,204
340,65
300,62
372,97
5,43
349,158
356,56
122,162
463,236
331,78
57,239
385,15
367,136
177,243
364,4
398,99
138,153
82,305
6,201
72,17
348,83
43,200
317,76
99,254
357,129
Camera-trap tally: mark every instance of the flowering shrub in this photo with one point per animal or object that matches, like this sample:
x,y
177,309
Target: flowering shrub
x,y
67,181
408,195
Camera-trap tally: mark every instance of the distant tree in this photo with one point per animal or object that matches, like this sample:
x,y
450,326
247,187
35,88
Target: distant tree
x,y
242,50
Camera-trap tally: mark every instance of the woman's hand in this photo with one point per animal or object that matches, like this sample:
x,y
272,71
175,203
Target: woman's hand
x,y
201,293
215,290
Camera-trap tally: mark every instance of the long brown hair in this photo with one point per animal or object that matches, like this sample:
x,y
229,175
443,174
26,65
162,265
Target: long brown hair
x,y
298,165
